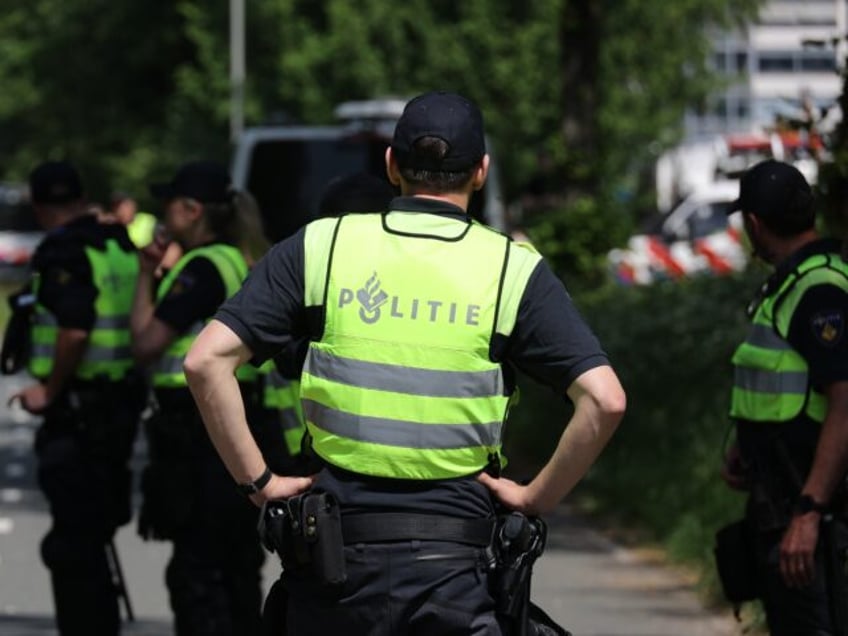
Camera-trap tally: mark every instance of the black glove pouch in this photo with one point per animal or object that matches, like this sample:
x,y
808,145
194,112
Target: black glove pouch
x,y
306,532
736,562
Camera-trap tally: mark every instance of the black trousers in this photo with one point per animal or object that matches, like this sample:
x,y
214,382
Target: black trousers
x,y
397,589
214,574
797,612
83,455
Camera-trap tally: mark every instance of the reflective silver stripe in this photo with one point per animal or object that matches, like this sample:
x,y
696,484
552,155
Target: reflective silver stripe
x,y
289,420
40,350
400,433
277,381
170,364
92,354
770,381
105,354
400,379
763,336
112,322
44,319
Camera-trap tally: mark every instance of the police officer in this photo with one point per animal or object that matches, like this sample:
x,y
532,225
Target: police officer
x,y
415,317
213,576
83,274
790,405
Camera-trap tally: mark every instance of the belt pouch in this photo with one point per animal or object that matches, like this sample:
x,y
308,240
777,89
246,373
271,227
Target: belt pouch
x,y
322,532
736,562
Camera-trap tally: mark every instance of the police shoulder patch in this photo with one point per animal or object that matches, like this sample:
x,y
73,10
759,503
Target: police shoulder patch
x,y
183,283
828,326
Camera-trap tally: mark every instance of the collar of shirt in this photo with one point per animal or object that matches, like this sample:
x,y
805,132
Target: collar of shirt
x,y
820,246
430,206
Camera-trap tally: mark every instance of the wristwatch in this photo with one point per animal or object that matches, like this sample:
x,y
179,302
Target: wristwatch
x,y
253,487
807,504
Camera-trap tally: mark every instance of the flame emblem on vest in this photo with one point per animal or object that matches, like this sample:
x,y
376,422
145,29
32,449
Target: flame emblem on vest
x,y
371,297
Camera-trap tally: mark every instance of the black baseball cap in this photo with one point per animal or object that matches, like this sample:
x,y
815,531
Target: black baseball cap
x,y
204,181
448,116
773,189
55,183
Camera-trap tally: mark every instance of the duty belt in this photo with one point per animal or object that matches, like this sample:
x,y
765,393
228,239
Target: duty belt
x,y
384,527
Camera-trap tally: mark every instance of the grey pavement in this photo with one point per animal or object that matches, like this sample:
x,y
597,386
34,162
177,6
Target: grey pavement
x,y
586,582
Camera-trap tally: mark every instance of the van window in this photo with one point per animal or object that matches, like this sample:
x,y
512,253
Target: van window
x,y
708,219
288,177
15,211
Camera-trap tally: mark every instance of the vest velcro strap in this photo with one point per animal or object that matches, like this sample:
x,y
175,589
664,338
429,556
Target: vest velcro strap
x,y
390,526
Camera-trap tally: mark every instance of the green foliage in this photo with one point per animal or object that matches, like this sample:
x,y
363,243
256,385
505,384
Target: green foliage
x,y
575,239
128,90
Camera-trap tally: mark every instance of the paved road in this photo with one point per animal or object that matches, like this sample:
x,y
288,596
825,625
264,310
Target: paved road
x,y
590,585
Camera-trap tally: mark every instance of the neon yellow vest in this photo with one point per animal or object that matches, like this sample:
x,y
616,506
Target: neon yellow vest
x,y
283,396
401,384
771,379
232,268
108,354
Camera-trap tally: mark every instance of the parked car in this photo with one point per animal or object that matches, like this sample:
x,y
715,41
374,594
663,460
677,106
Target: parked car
x,y
696,237
19,232
286,167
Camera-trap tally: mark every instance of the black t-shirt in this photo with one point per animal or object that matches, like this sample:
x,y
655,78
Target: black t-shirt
x,y
550,342
66,283
194,295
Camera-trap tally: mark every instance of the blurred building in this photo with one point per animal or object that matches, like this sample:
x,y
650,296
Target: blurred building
x,y
779,68
783,81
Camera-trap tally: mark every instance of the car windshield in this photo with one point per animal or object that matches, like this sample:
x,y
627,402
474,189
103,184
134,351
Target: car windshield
x,y
288,177
708,219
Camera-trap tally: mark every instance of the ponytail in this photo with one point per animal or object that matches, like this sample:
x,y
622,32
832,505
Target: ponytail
x,y
238,222
250,229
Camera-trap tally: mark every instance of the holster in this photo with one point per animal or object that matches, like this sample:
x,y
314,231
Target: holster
x,y
520,540
736,562
306,532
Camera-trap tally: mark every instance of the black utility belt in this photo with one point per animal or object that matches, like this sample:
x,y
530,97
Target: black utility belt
x,y
309,530
386,527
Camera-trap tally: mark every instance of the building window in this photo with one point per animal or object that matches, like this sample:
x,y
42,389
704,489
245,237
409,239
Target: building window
x,y
807,61
818,61
776,62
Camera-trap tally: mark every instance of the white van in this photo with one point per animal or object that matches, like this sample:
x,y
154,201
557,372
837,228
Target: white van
x,y
286,167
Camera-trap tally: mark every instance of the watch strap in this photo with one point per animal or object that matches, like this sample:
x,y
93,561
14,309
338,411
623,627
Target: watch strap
x,y
806,504
253,487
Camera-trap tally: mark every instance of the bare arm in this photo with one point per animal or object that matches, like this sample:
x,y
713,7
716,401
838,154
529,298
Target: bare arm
x,y
70,349
210,370
797,549
599,404
150,336
831,459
